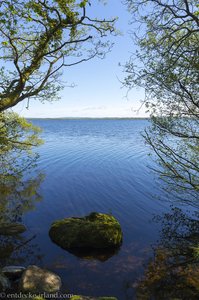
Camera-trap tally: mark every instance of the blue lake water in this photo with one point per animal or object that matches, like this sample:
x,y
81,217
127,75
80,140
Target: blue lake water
x,y
103,166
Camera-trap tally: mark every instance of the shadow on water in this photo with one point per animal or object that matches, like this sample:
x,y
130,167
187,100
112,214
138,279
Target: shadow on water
x,y
18,195
18,250
174,272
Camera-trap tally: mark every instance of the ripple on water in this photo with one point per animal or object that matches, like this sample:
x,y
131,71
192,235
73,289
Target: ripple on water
x,y
97,165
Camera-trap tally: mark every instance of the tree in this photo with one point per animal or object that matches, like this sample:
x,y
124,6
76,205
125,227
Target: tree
x,y
166,65
39,38
16,141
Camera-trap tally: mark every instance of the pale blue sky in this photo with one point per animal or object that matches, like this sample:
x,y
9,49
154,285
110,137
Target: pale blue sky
x,y
98,91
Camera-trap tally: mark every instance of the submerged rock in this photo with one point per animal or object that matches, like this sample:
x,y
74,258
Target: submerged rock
x,y
96,230
11,228
13,272
4,283
37,280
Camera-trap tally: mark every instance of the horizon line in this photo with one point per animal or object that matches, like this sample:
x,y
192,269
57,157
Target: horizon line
x,y
95,118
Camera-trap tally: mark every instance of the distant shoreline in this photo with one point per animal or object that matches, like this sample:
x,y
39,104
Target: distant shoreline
x,y
88,118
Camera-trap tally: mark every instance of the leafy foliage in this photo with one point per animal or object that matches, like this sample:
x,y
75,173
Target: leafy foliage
x,y
39,38
17,137
166,65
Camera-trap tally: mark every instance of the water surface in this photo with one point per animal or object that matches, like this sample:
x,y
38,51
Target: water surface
x,y
103,166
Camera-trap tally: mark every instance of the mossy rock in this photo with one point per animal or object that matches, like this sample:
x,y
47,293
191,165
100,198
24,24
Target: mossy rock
x,y
98,231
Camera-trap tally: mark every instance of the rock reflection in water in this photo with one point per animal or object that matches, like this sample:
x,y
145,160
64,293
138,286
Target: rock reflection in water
x,y
94,254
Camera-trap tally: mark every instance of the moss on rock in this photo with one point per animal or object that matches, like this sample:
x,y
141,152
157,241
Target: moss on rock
x,y
96,230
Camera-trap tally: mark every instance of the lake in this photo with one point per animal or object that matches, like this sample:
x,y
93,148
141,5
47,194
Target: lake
x,y
102,166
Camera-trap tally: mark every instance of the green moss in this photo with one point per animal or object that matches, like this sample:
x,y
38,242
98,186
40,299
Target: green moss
x,y
94,231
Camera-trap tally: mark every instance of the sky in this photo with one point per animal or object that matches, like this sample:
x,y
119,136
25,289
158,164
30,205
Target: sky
x,y
98,90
